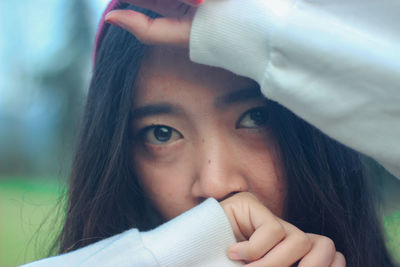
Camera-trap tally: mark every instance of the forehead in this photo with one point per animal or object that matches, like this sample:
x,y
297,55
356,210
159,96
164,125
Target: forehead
x,y
168,73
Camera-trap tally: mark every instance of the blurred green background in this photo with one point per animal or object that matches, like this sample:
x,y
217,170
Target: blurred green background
x,y
27,223
45,65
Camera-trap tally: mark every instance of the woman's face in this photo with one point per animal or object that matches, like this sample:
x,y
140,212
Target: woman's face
x,y
201,132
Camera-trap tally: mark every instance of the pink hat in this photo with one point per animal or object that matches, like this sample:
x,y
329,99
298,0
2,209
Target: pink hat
x,y
102,29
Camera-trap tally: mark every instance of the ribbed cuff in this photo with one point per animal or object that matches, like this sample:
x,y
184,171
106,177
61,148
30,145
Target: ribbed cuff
x,y
198,237
229,33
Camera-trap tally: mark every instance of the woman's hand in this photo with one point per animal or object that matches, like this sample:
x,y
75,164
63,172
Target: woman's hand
x,y
172,29
266,240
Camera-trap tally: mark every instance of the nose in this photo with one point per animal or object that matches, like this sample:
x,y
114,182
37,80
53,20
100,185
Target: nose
x,y
219,171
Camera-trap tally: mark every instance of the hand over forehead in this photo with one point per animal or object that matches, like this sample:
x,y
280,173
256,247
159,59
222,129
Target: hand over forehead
x,y
171,29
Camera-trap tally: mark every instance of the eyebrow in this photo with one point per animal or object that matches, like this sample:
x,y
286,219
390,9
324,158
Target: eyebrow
x,y
156,109
239,96
220,102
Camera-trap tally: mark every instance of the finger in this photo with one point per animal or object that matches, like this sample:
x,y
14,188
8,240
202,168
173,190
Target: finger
x,y
260,242
252,221
193,2
288,251
246,214
165,8
339,260
151,31
239,235
321,254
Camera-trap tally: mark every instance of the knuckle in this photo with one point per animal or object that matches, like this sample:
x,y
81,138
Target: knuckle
x,y
327,243
277,230
303,241
253,254
340,260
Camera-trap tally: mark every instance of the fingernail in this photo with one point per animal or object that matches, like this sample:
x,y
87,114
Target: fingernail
x,y
196,2
233,252
107,16
234,256
115,23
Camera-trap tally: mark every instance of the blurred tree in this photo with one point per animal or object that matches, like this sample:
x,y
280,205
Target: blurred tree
x,y
67,76
46,59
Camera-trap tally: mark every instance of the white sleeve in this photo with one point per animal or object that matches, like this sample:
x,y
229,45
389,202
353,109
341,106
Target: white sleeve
x,y
334,63
198,237
121,250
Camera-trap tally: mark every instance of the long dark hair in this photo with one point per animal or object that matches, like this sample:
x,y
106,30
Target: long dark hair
x,y
327,192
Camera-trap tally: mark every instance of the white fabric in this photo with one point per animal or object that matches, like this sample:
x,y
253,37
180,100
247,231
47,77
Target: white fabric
x,y
336,63
198,237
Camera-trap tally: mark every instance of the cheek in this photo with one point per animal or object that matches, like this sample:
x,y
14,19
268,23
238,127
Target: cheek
x,y
167,184
265,174
269,187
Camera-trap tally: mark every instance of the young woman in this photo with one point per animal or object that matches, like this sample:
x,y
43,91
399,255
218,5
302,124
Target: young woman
x,y
163,137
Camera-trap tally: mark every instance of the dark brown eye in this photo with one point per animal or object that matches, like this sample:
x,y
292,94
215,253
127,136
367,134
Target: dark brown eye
x,y
254,118
160,134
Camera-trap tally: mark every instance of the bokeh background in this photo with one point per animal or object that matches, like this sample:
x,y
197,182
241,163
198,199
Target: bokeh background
x,y
45,67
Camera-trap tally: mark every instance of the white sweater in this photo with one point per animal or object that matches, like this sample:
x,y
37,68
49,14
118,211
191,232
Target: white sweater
x,y
198,237
334,63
